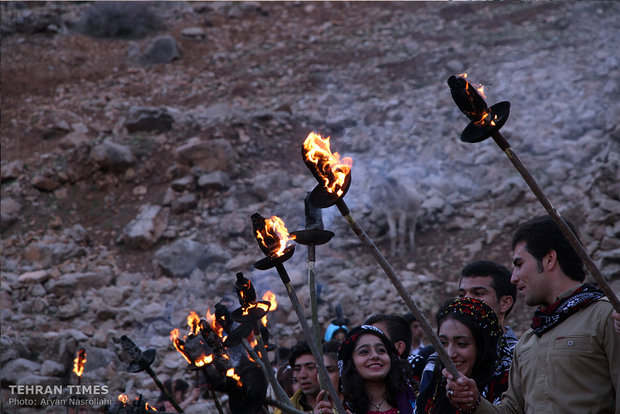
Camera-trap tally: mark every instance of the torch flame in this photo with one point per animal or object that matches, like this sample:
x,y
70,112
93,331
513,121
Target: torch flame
x,y
274,230
148,407
231,373
270,297
210,318
193,321
330,168
79,362
204,360
178,344
123,398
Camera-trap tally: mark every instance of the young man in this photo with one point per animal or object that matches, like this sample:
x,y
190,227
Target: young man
x,y
490,282
568,361
305,372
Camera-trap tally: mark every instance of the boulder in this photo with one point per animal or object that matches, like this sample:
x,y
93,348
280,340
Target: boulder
x,y
146,229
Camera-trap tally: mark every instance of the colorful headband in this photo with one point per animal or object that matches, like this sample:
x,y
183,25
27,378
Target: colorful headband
x,y
476,311
346,348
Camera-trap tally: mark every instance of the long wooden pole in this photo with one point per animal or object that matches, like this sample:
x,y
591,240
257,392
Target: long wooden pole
x,y
557,218
391,274
309,338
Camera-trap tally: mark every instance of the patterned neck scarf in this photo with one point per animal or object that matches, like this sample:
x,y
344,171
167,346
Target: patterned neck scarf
x,y
554,314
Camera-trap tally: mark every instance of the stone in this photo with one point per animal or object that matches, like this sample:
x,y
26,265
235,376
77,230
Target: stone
x,y
37,276
113,156
146,229
44,183
193,32
11,170
163,49
51,368
10,209
184,203
217,180
212,155
149,119
180,258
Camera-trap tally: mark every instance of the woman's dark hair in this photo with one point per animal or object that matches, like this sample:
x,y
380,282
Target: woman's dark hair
x,y
353,390
486,331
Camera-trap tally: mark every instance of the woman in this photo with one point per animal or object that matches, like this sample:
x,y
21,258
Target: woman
x,y
469,331
372,378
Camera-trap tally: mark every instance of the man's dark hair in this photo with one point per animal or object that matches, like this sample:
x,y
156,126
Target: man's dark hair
x,y
299,349
499,274
542,235
410,317
398,329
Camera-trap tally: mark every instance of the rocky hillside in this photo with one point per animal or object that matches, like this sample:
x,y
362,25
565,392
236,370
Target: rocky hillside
x,y
138,139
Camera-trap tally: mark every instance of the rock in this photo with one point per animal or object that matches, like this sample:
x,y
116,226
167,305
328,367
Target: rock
x,y
194,32
15,369
44,183
186,183
146,229
213,155
163,49
77,282
51,368
184,203
37,276
11,170
180,258
150,119
113,156
217,180
9,209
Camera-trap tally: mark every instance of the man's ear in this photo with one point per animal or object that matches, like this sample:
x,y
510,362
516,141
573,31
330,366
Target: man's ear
x,y
400,347
505,302
550,260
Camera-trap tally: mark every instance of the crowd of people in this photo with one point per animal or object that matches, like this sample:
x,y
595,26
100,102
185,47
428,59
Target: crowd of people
x,y
568,362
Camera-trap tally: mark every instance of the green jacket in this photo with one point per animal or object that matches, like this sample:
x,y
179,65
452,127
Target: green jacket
x,y
572,368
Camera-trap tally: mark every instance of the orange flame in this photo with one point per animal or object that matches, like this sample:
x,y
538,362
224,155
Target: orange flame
x,y
204,360
174,337
148,407
479,87
332,170
231,373
270,297
123,398
193,321
210,318
275,229
79,362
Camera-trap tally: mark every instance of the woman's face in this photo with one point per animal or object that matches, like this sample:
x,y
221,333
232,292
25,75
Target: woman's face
x,y
371,358
459,342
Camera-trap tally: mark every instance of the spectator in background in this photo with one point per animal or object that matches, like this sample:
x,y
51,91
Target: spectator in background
x,y
178,388
490,282
305,372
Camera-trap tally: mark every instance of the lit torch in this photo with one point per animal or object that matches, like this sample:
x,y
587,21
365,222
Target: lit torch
x,y
141,361
78,364
270,241
322,197
472,104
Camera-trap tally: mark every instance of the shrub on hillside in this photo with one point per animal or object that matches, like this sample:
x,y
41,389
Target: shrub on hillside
x,y
119,20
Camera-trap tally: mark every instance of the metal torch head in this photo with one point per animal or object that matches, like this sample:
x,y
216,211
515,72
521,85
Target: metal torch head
x,y
484,120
